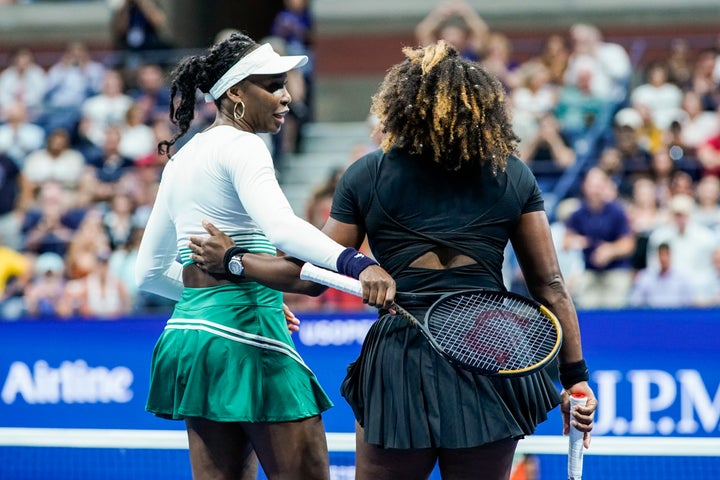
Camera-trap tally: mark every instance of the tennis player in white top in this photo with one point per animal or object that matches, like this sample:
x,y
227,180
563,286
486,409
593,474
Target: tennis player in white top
x,y
225,363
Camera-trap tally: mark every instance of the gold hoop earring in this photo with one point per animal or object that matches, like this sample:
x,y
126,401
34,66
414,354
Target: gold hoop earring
x,y
235,114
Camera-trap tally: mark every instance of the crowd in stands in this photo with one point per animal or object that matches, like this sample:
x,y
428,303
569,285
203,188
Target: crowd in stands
x,y
635,148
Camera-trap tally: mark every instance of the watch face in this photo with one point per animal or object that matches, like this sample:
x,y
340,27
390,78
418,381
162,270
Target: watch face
x,y
235,266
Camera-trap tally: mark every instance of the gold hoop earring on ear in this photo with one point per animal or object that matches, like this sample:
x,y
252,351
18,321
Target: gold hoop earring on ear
x,y
235,114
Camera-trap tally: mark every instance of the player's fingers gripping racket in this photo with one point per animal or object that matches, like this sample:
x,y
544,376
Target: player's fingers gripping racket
x,y
482,331
575,451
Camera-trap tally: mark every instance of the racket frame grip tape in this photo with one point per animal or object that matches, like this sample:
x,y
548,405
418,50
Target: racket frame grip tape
x,y
331,279
575,450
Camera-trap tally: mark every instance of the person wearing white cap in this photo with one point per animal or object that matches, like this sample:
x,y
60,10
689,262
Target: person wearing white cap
x,y
225,362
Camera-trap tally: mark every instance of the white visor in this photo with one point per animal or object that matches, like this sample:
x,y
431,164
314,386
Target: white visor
x,y
261,61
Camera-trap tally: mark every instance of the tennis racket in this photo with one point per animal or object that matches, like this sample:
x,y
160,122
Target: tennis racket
x,y
575,451
482,331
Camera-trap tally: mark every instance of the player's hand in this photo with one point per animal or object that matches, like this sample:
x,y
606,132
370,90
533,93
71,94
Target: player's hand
x,y
208,252
293,322
582,417
378,287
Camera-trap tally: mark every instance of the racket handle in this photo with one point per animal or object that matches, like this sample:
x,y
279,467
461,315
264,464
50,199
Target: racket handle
x,y
331,279
575,451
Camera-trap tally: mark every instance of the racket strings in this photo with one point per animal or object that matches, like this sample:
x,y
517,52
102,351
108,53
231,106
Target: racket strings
x,y
492,332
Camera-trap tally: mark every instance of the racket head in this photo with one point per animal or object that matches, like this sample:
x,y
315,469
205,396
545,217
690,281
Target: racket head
x,y
493,332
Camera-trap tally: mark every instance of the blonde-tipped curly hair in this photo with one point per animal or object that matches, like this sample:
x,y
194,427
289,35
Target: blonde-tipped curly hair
x,y
435,103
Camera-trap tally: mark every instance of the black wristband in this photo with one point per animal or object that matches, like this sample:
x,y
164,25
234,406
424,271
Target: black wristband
x,y
352,263
229,253
572,373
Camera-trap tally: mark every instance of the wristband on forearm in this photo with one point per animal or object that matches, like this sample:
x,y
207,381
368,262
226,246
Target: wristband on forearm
x,y
572,373
352,263
229,253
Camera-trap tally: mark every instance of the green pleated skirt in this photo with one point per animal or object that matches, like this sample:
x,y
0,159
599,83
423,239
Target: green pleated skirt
x,y
405,395
226,355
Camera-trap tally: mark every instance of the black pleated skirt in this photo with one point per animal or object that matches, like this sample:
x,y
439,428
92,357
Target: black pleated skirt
x,y
405,395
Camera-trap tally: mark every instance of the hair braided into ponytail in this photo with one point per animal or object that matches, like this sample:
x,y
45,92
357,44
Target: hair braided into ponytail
x,y
200,72
435,103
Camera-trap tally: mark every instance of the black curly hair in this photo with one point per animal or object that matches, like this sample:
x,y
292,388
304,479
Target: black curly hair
x,y
435,103
200,72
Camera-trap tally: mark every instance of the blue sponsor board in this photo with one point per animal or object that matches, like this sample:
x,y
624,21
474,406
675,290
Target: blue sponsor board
x,y
656,372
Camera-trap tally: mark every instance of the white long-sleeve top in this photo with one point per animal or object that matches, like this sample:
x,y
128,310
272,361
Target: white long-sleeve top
x,y
226,176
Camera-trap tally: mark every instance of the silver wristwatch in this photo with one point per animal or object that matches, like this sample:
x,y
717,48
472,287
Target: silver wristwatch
x,y
235,265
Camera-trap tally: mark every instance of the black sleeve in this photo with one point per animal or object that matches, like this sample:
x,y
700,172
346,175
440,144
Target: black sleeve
x,y
352,194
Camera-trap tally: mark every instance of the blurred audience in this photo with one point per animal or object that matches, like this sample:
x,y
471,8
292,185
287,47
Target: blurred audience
x,y
639,144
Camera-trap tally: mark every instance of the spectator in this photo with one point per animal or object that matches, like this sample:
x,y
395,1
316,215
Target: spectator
x,y
634,156
650,137
57,161
108,108
98,295
23,81
679,64
71,80
118,220
708,154
11,185
707,192
48,230
138,139
608,62
600,228
697,126
709,288
645,215
662,171
140,29
663,286
15,274
122,264
109,165
498,60
610,162
534,97
662,97
151,92
548,153
691,243
578,107
294,25
19,137
457,23
44,294
554,56
90,240
703,81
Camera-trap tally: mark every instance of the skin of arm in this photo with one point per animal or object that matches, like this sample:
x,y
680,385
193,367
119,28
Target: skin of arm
x,y
609,251
532,242
282,273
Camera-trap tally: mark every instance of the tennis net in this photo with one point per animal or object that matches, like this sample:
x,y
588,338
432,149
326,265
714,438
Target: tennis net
x,y
90,454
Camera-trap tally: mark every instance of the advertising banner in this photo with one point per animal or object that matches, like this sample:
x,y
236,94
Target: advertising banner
x,y
655,372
